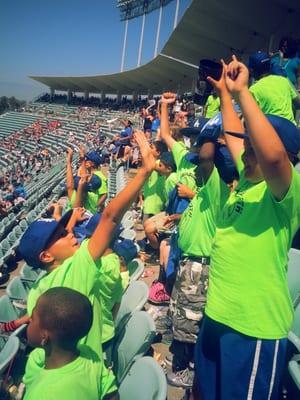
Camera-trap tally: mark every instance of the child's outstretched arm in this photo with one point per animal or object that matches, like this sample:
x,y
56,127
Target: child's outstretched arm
x,y
230,119
166,99
80,192
269,150
115,210
70,179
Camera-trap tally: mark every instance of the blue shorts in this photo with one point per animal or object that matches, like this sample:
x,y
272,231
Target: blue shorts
x,y
233,366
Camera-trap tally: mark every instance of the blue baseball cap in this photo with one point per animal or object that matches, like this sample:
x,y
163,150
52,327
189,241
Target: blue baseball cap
x,y
93,184
196,127
210,131
258,59
94,157
126,248
37,236
288,133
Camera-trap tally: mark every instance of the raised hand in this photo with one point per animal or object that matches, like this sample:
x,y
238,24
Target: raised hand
x,y
185,191
70,152
78,214
168,98
220,85
148,161
82,151
237,76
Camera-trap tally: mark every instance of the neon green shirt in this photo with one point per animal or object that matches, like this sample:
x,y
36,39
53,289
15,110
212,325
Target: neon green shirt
x,y
248,288
111,291
185,169
81,273
84,378
154,197
170,183
213,106
274,94
92,198
197,225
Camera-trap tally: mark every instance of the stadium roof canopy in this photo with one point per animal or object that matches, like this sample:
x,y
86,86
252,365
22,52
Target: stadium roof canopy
x,y
209,29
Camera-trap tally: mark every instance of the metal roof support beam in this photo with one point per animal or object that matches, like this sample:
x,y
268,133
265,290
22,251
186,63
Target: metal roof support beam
x,y
124,46
158,30
141,40
176,14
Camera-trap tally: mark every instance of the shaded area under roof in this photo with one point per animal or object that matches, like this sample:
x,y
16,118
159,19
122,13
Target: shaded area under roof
x,y
208,29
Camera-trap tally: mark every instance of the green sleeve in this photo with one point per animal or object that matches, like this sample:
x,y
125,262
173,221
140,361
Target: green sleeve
x,y
290,203
35,363
179,151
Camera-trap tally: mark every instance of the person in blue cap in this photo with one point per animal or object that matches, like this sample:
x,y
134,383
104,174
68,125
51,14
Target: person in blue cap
x,y
48,245
241,347
89,192
196,231
273,93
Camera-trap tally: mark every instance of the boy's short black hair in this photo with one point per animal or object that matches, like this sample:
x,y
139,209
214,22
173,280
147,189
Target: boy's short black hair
x,y
160,146
168,160
66,313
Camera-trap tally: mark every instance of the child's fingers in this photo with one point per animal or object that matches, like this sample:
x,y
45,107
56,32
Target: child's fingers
x,y
211,81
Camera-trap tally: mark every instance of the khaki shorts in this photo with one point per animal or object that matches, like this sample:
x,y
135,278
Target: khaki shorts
x,y
159,221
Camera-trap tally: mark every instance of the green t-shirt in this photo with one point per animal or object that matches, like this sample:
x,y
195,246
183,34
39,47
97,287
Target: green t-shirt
x,y
84,378
92,198
154,196
274,95
185,169
197,225
111,291
81,273
170,183
213,106
248,288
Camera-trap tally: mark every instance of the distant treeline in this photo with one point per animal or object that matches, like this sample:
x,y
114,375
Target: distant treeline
x,y
10,104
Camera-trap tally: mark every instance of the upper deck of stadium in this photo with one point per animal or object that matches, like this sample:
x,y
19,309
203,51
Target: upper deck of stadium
x,y
208,29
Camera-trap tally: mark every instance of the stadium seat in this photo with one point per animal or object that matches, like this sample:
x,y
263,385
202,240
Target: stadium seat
x,y
6,248
132,342
23,225
144,381
16,290
128,233
8,352
28,274
294,334
9,313
293,275
136,269
134,299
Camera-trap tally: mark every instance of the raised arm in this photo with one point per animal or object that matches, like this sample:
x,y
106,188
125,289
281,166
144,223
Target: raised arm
x,y
206,160
166,99
115,210
80,192
70,179
269,150
230,119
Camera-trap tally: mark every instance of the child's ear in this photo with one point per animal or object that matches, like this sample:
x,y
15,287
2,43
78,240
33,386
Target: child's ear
x,y
45,338
46,257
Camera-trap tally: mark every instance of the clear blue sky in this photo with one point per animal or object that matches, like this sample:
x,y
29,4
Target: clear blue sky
x,y
70,37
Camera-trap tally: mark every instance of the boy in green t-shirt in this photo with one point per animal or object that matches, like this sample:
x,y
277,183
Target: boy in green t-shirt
x,y
59,368
240,352
153,189
46,244
156,224
92,192
212,105
273,93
